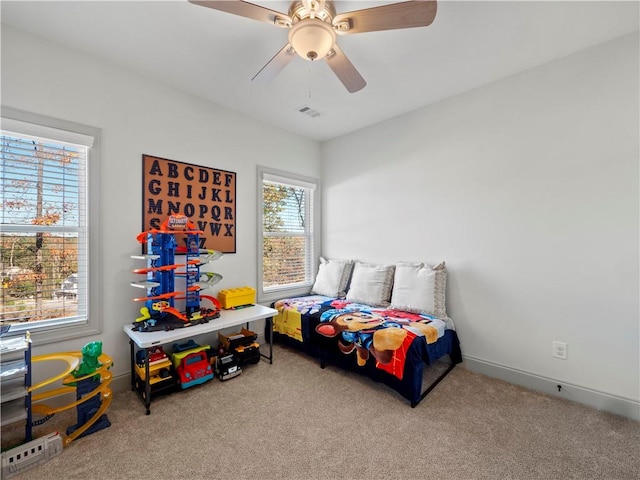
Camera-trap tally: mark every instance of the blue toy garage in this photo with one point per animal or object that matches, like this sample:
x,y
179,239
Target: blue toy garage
x,y
160,311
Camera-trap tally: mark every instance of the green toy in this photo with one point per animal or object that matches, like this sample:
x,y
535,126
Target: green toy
x,y
89,363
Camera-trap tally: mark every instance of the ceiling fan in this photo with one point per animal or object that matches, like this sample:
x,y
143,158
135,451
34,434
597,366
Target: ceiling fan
x,y
314,25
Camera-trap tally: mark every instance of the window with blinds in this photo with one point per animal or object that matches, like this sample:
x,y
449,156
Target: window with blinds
x,y
287,232
44,261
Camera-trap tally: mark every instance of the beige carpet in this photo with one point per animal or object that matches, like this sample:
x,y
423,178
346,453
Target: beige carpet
x,y
293,420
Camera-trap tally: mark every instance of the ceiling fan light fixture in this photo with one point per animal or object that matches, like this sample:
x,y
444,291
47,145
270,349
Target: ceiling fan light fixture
x,y
314,24
343,26
313,7
282,22
311,38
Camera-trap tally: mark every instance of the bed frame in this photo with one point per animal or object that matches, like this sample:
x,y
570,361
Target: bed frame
x,y
417,353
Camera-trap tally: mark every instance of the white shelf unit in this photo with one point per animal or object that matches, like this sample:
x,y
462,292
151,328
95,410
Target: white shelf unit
x,y
15,382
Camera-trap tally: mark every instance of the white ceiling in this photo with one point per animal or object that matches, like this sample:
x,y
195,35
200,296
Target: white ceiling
x,y
214,55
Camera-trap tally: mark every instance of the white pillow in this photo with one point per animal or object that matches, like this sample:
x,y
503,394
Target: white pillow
x,y
371,284
420,288
332,278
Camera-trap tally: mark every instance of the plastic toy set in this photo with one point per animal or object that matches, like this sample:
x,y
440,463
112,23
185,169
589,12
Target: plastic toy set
x,y
88,376
160,375
236,350
191,364
85,374
227,367
237,297
159,311
242,345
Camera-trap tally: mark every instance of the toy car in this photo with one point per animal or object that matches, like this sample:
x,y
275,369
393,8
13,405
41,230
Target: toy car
x,y
227,367
243,345
156,355
194,369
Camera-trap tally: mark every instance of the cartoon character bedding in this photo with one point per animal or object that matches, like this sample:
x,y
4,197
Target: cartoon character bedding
x,y
391,346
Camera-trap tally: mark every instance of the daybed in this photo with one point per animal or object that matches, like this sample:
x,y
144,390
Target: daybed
x,y
386,322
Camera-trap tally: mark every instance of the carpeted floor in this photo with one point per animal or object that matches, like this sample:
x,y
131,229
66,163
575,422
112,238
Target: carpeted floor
x,y
293,420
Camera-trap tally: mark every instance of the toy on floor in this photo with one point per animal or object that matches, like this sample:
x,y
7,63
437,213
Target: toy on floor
x,y
30,454
191,363
87,375
160,375
227,367
242,345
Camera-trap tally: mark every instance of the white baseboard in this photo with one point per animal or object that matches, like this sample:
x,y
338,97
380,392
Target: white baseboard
x,y
625,407
121,383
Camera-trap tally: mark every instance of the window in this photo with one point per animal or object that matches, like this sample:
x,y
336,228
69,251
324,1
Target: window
x,y
288,233
47,177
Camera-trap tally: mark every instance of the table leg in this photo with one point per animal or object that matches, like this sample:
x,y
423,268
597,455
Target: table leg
x,y
270,328
147,382
269,338
133,371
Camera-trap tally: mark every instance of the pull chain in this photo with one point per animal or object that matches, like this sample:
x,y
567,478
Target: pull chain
x,y
309,80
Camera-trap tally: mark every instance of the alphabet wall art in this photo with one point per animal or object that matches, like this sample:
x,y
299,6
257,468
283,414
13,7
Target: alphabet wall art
x,y
207,196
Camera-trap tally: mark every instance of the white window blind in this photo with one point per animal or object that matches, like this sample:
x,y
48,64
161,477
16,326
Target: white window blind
x,y
288,232
44,225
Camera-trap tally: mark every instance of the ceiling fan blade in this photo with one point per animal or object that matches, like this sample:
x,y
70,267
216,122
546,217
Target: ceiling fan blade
x,y
246,9
415,13
345,71
275,65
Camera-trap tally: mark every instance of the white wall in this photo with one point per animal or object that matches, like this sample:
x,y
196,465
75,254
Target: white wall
x,y
528,189
139,116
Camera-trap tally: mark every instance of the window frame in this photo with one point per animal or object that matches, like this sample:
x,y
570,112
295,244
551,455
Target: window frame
x,y
32,124
265,173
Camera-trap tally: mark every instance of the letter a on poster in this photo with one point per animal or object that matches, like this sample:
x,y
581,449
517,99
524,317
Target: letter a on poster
x,y
207,196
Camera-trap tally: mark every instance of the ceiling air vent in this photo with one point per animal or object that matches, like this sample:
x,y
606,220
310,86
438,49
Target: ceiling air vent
x,y
310,112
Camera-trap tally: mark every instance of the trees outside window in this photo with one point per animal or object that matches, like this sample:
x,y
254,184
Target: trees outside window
x,y
287,233
44,234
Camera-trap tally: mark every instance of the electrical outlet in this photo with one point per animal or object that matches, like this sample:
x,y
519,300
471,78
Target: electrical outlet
x,y
560,350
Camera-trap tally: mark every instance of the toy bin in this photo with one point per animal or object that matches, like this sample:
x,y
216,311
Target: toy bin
x,y
236,297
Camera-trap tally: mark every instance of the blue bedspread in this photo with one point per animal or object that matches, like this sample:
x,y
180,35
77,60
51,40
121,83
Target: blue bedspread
x,y
388,346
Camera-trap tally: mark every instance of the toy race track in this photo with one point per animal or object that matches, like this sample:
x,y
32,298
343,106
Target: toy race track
x,y
93,393
160,311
